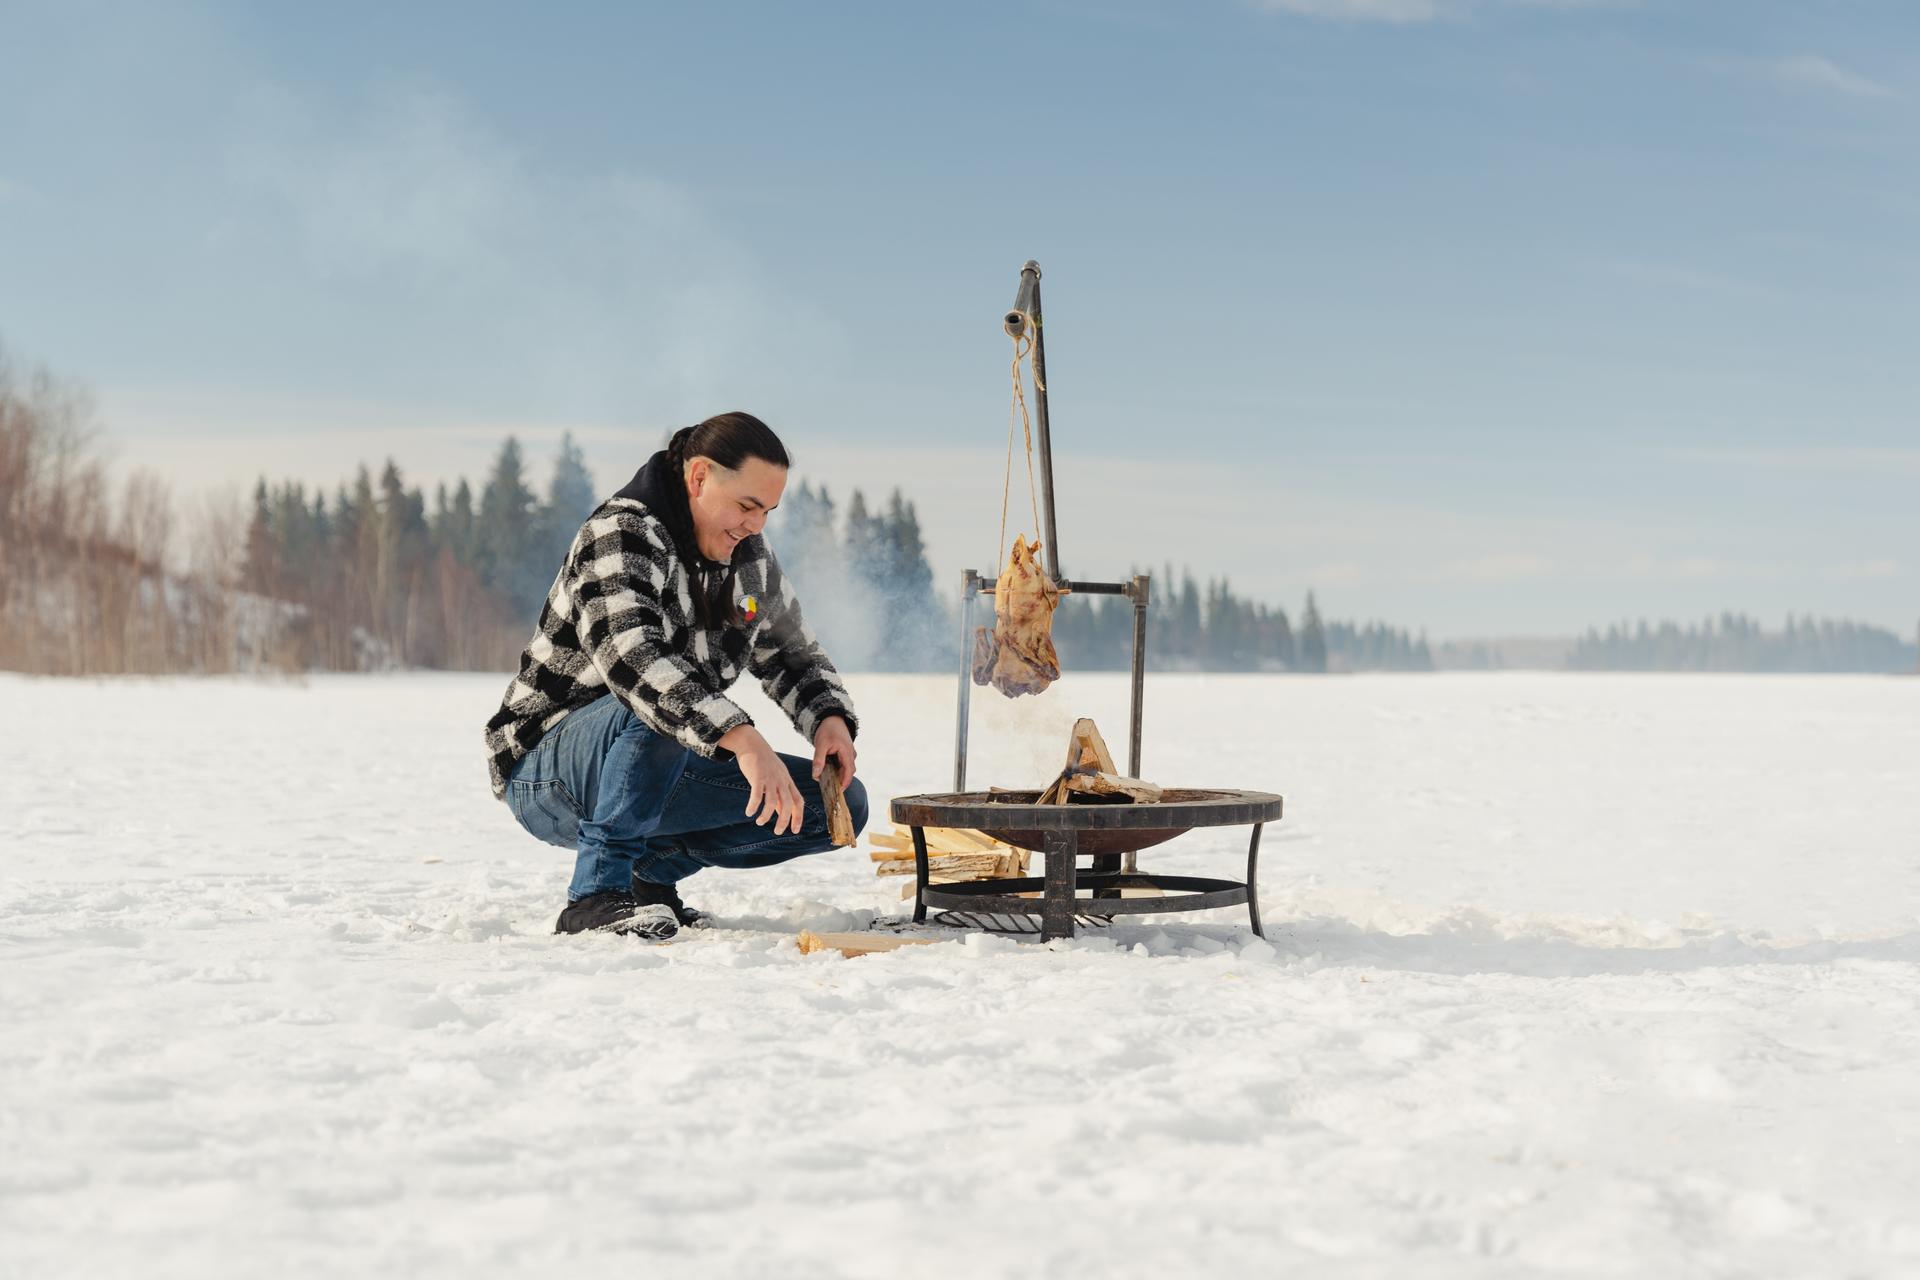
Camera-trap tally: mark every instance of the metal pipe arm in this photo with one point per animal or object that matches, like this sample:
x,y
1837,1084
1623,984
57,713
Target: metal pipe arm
x,y
1025,299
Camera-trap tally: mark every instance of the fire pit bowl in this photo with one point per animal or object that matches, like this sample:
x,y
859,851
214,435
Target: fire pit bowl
x,y
1063,832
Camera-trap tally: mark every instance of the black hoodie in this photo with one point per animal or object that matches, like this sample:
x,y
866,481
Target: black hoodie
x,y
665,494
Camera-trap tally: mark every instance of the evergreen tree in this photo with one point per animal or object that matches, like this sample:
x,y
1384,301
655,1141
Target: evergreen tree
x,y
804,536
866,541
839,603
1279,646
916,625
461,533
260,574
1187,622
571,498
442,514
1313,638
511,557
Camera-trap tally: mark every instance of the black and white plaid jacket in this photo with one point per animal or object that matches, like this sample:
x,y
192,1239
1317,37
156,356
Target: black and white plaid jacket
x,y
620,618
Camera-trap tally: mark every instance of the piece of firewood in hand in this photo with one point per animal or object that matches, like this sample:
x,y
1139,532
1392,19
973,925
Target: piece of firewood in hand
x,y
1016,654
839,817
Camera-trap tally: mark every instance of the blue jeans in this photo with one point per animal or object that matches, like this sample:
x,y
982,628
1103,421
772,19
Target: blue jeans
x,y
636,805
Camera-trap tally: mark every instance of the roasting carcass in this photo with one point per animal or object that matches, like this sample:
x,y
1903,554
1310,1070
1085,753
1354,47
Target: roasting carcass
x,y
1016,654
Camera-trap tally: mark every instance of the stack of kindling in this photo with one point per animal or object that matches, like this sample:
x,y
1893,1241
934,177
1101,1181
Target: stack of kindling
x,y
953,855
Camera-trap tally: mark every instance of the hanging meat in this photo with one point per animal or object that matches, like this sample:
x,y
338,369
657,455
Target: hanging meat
x,y
1016,654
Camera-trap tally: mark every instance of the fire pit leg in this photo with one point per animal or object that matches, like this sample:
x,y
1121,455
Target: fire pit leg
x,y
1253,879
1109,863
919,875
1056,914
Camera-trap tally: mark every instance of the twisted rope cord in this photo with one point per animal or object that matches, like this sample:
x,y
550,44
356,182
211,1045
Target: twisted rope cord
x,y
1022,351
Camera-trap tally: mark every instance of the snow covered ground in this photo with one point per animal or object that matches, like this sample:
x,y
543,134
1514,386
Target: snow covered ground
x,y
1607,975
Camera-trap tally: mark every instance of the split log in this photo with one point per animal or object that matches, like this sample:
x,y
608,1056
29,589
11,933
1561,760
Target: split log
x,y
1090,770
982,865
839,817
859,944
1107,784
1087,749
888,844
954,855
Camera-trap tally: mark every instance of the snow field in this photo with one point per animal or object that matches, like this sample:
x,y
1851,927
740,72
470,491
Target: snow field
x,y
1564,974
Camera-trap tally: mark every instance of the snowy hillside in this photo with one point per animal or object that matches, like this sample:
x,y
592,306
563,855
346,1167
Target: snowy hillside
x,y
1581,975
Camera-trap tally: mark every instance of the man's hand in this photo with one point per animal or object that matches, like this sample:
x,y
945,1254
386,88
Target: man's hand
x,y
773,793
833,741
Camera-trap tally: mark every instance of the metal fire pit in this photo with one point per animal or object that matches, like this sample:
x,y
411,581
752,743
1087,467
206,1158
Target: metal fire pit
x,y
1063,832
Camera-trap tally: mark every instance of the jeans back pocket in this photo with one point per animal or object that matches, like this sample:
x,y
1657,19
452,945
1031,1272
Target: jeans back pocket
x,y
547,810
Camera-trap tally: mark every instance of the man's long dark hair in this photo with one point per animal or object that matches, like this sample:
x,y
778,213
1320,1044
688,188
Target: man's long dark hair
x,y
728,439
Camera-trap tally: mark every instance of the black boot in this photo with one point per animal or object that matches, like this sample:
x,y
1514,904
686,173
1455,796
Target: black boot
x,y
612,911
646,892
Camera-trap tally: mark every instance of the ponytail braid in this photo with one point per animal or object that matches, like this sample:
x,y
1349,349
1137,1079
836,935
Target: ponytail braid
x,y
677,451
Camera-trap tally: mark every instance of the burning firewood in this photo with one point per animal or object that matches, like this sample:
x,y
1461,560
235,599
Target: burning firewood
x,y
1108,784
1090,770
1016,654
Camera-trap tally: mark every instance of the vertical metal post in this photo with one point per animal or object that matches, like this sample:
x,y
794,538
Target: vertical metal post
x,y
1045,429
920,875
969,588
1138,591
1062,884
1026,308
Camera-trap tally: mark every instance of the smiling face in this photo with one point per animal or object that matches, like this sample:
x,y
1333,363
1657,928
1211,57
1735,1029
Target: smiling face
x,y
729,506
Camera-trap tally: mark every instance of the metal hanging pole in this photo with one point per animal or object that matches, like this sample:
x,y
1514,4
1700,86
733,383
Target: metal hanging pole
x,y
1024,321
969,588
1026,310
1138,591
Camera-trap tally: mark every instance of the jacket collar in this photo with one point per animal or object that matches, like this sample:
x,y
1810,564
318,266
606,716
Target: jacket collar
x,y
665,495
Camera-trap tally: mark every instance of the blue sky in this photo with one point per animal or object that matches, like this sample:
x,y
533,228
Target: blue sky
x,y
1487,316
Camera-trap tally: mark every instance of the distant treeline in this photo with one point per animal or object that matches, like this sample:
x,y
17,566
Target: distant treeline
x,y
1195,628
864,582
869,593
373,577
1736,642
102,579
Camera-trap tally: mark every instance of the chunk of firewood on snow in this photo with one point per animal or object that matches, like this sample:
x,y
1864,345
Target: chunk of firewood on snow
x,y
839,817
859,944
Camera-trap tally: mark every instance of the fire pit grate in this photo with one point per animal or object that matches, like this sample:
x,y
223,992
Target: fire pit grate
x,y
1064,832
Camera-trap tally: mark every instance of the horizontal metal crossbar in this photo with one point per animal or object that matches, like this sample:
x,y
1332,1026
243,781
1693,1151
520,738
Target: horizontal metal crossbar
x,y
1191,893
990,582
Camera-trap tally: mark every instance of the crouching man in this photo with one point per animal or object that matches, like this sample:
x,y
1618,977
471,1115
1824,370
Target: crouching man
x,y
617,739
